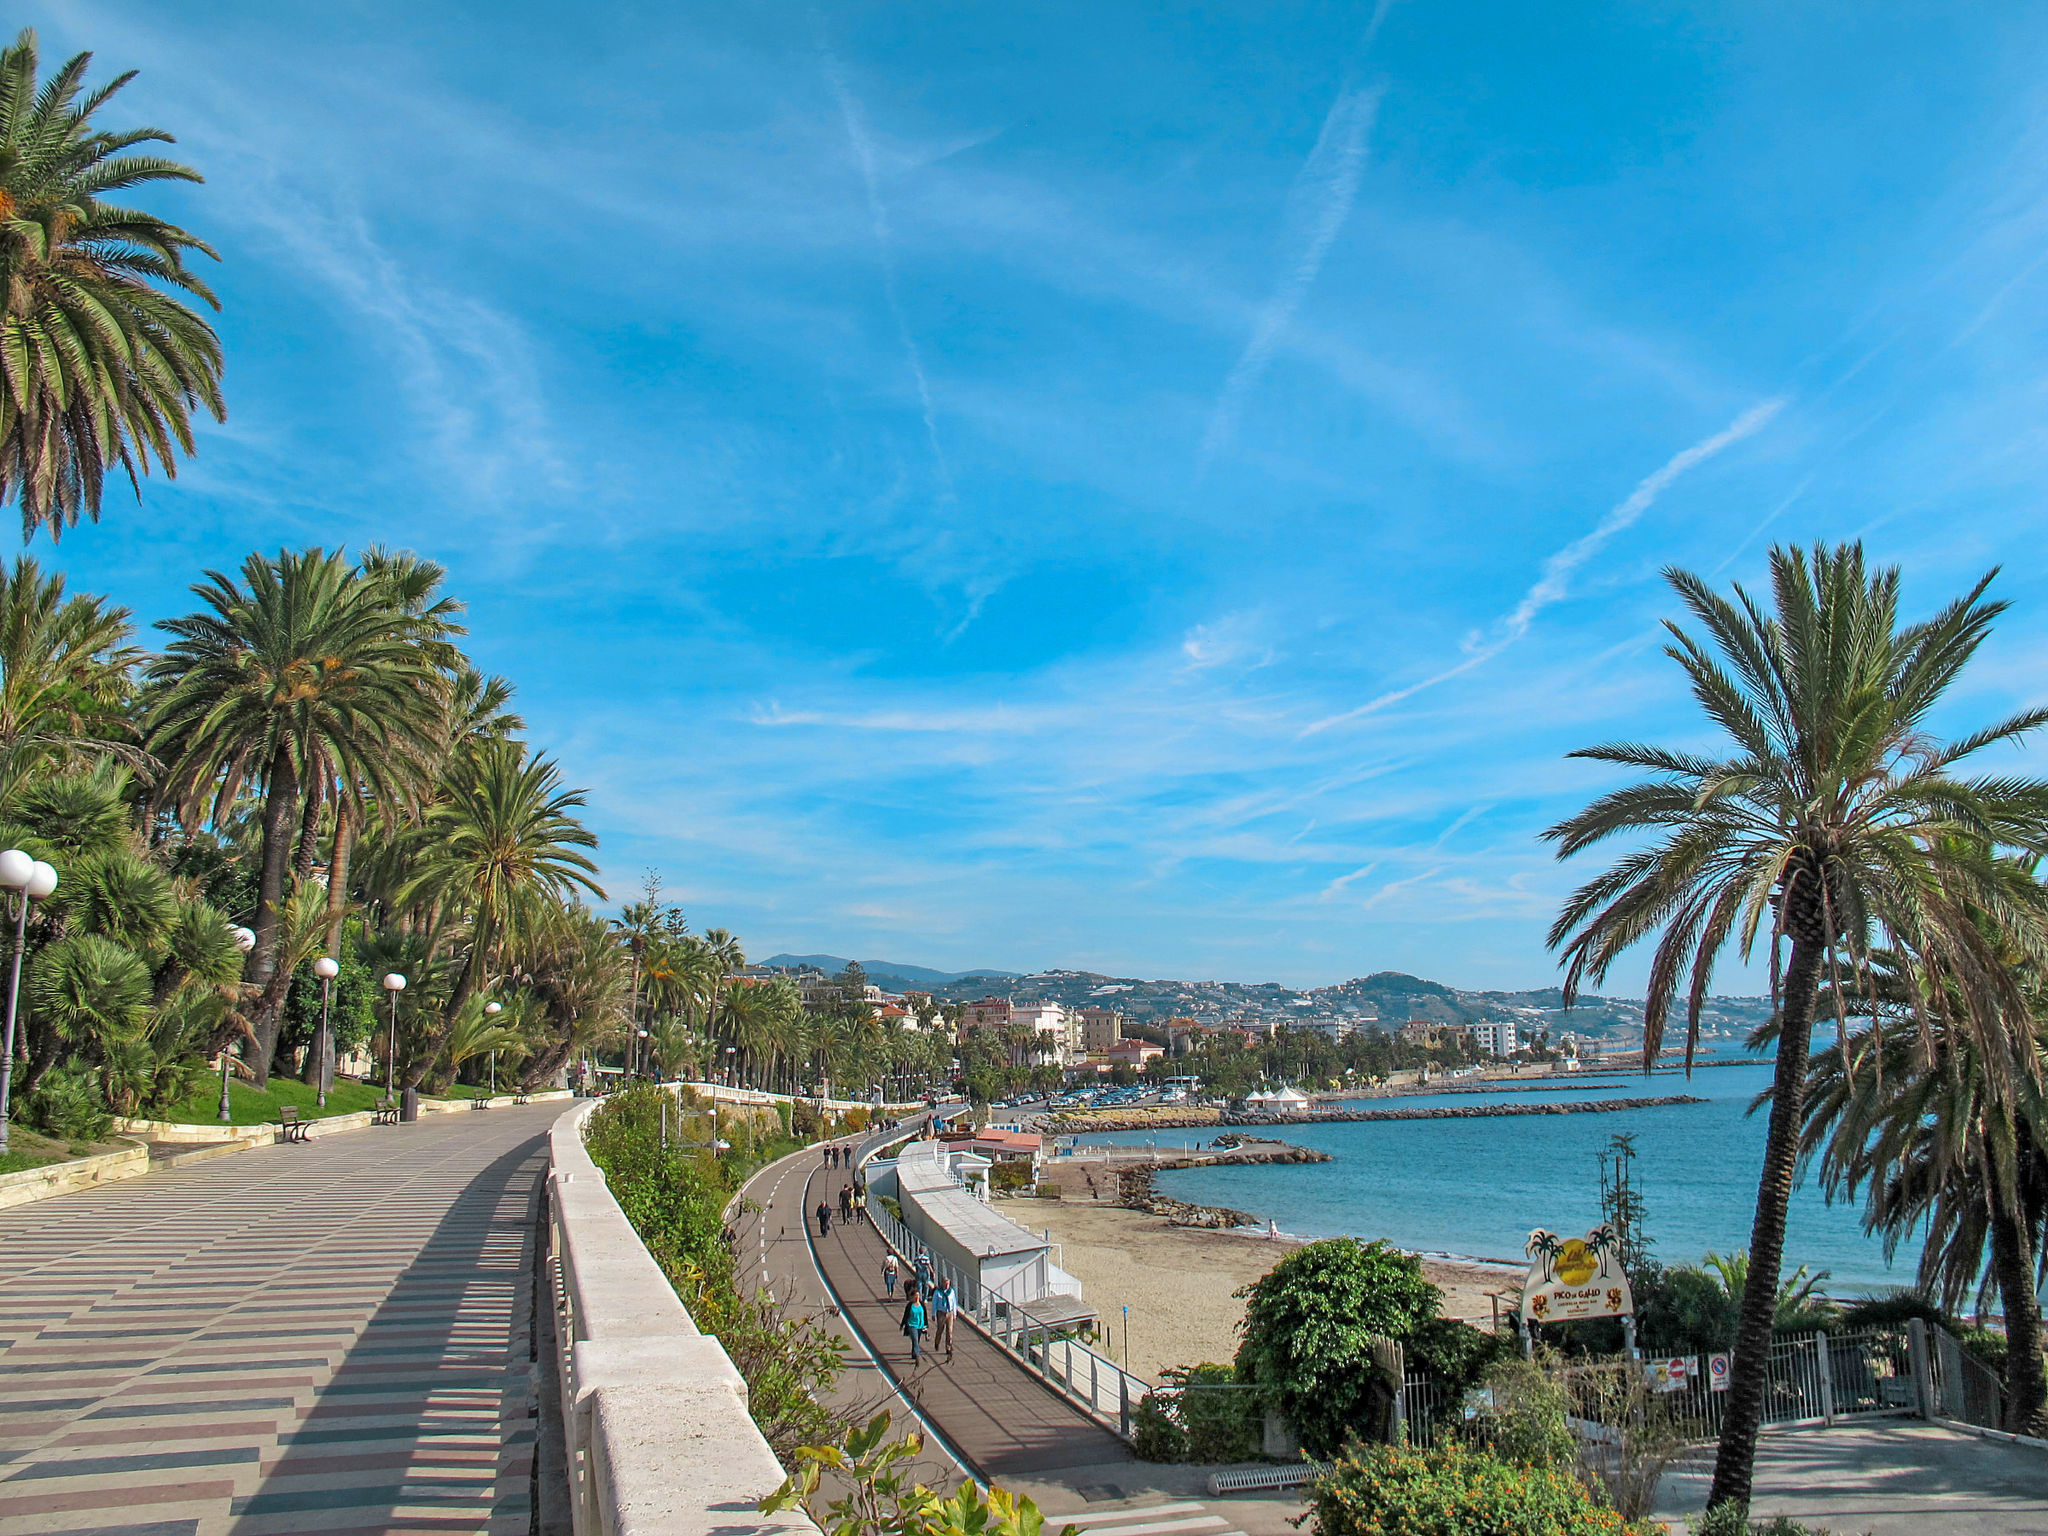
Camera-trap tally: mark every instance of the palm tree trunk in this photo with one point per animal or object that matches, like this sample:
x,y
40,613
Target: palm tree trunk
x,y
1742,1415
337,874
2012,1258
279,825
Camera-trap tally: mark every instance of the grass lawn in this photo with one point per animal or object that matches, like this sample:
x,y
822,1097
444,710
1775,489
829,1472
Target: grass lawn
x,y
30,1149
248,1107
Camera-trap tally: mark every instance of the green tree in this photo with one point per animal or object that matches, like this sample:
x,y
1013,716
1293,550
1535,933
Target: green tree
x,y
502,846
301,670
1309,1326
1945,1150
66,683
1838,822
101,361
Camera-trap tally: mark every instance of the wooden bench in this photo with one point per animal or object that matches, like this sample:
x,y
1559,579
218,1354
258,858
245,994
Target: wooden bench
x,y
384,1112
290,1126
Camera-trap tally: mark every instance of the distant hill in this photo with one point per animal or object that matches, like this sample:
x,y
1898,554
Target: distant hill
x,y
882,971
1393,995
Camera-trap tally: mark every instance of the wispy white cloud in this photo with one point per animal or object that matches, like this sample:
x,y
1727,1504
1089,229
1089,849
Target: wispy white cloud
x,y
862,141
1317,208
1554,583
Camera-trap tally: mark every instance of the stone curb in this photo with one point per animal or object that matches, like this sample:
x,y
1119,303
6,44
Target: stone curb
x,y
32,1184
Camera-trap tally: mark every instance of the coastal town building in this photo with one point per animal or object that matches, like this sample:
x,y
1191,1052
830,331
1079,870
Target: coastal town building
x,y
1497,1037
1434,1035
1058,1030
987,1013
1101,1028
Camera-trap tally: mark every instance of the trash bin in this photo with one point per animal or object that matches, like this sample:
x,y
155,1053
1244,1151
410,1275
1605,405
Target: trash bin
x,y
409,1106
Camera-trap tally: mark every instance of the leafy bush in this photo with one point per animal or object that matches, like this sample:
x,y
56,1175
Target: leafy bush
x,y
877,1497
1011,1176
1527,1423
1453,1490
68,1105
1730,1520
1204,1416
1455,1353
1309,1327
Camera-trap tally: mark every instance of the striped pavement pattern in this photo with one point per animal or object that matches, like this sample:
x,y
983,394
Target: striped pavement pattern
x,y
327,1337
1187,1519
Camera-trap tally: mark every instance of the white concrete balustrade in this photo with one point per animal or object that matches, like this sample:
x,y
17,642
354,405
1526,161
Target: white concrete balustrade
x,y
654,1414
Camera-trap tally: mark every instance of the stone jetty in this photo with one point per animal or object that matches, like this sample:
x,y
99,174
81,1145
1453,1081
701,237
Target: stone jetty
x,y
1160,1119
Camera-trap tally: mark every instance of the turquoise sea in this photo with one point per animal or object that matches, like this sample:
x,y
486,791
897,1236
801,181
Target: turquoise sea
x,y
1477,1187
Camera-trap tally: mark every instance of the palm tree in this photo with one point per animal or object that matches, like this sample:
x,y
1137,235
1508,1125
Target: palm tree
x,y
579,975
101,362
1949,1147
65,678
302,671
502,845
1838,822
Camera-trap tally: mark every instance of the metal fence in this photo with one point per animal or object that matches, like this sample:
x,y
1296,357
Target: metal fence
x,y
1812,1378
1961,1386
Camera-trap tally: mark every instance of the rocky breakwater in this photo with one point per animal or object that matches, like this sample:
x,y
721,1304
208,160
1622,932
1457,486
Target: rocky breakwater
x,y
1456,1111
1135,1189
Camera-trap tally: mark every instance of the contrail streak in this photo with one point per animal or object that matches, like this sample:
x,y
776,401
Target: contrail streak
x,y
1555,582
1320,202
863,145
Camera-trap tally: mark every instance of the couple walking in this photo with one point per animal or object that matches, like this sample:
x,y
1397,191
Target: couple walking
x,y
925,1306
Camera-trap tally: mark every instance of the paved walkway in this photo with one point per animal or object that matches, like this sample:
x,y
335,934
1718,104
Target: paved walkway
x,y
330,1337
997,1420
1895,1478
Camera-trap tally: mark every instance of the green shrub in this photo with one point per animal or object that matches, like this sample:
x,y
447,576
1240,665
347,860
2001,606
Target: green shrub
x,y
1729,1520
69,1106
1204,1415
1455,1353
1527,1425
1309,1328
1452,1490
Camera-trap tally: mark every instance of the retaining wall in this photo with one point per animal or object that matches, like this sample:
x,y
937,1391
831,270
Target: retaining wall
x,y
654,1413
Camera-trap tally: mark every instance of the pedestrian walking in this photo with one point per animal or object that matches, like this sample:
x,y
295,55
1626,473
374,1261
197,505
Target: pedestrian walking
x,y
845,1203
824,1218
889,1276
914,1322
945,1302
925,1276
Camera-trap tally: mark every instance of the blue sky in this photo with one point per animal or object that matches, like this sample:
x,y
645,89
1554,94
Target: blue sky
x,y
1156,488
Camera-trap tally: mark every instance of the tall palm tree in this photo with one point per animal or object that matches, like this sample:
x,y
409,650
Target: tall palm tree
x,y
66,678
579,974
101,360
503,844
301,671
469,707
1837,822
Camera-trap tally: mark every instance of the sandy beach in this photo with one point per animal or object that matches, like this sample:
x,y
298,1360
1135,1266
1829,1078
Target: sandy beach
x,y
1179,1281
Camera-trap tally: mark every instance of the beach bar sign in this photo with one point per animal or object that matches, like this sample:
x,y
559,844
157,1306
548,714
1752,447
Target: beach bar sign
x,y
1574,1279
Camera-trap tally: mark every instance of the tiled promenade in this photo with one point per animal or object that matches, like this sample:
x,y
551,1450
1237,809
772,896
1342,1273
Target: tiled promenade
x,y
327,1337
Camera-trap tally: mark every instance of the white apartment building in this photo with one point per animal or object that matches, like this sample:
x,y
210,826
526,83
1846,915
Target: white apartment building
x,y
1497,1037
1058,1030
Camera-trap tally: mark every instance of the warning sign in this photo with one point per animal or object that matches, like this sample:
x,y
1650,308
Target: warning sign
x,y
1671,1375
1718,1367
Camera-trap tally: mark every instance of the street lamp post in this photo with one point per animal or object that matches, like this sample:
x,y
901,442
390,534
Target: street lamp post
x,y
32,880
494,1009
394,984
729,1069
326,968
640,1052
244,941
